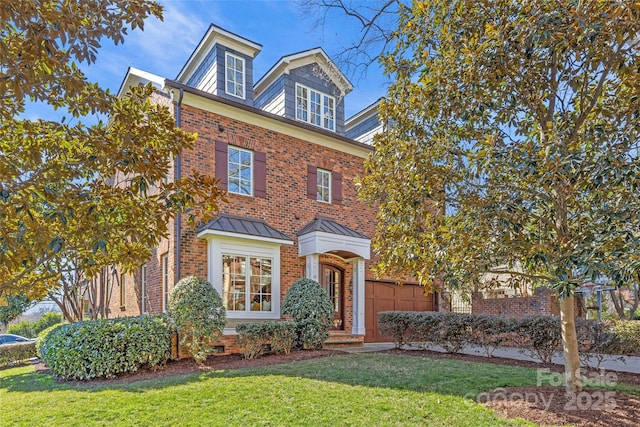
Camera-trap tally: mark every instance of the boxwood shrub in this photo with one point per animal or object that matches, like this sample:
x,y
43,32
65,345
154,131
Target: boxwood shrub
x,y
198,311
254,337
106,348
310,307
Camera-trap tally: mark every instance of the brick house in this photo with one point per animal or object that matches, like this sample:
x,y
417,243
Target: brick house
x,y
287,157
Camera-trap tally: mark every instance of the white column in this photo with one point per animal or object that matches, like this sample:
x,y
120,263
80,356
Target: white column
x,y
358,297
311,271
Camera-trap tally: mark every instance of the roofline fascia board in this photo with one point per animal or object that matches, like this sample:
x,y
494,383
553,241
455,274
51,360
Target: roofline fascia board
x,y
209,234
144,75
366,112
284,65
218,105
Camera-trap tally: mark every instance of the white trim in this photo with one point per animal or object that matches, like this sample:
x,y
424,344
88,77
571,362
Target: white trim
x,y
135,76
362,115
318,242
210,234
143,289
329,186
242,245
164,272
358,297
300,59
276,124
312,267
216,35
226,74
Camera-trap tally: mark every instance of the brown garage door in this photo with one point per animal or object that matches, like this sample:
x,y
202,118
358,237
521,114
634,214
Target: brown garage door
x,y
382,296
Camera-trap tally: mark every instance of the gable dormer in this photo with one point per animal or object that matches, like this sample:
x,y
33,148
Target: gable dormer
x,y
307,87
222,64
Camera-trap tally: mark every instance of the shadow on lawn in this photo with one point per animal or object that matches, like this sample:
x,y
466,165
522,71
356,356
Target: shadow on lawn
x,y
399,372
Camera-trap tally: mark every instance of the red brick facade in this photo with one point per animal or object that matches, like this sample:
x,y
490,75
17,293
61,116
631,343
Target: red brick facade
x,y
543,302
286,206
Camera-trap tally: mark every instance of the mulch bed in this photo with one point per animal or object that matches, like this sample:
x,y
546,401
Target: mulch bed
x,y
544,405
188,366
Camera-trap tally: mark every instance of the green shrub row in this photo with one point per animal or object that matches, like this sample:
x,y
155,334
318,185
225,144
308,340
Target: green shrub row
x,y
106,348
254,337
16,353
538,335
32,329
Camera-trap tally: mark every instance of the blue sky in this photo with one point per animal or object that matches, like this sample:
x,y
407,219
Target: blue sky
x,y
279,25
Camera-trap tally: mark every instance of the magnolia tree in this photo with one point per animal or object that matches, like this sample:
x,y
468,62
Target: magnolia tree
x,y
58,196
513,142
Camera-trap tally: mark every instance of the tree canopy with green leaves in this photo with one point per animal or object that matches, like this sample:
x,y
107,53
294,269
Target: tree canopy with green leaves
x,y
513,144
82,188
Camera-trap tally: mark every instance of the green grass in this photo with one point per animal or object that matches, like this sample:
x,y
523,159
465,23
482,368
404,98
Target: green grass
x,y
341,390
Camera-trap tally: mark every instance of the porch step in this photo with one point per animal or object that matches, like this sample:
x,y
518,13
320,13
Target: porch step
x,y
343,340
342,343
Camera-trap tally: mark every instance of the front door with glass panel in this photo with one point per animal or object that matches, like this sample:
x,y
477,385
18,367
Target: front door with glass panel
x,y
332,280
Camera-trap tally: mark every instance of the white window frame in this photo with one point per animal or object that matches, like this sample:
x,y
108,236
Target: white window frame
x,y
251,166
247,304
307,115
320,187
164,268
123,296
220,245
228,71
143,289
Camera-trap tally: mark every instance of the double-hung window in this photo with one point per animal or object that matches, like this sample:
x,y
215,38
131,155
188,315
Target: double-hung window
x,y
323,179
240,170
315,107
164,266
235,75
246,283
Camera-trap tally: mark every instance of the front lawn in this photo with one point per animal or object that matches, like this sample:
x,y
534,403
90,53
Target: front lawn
x,y
359,390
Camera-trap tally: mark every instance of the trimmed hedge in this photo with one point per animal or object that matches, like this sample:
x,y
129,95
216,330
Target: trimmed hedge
x,y
15,353
32,329
106,348
538,335
24,329
626,336
254,337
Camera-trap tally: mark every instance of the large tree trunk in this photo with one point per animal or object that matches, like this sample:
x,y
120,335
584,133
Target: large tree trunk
x,y
618,302
570,345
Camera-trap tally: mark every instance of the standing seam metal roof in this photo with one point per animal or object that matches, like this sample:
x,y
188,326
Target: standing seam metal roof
x,y
329,225
241,225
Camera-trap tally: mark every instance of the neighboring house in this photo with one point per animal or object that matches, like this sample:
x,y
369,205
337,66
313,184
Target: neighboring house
x,y
286,156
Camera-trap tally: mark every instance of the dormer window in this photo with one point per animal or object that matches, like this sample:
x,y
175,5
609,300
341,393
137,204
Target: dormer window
x,y
235,75
315,107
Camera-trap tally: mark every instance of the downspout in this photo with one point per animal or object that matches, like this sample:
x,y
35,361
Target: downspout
x,y
178,176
